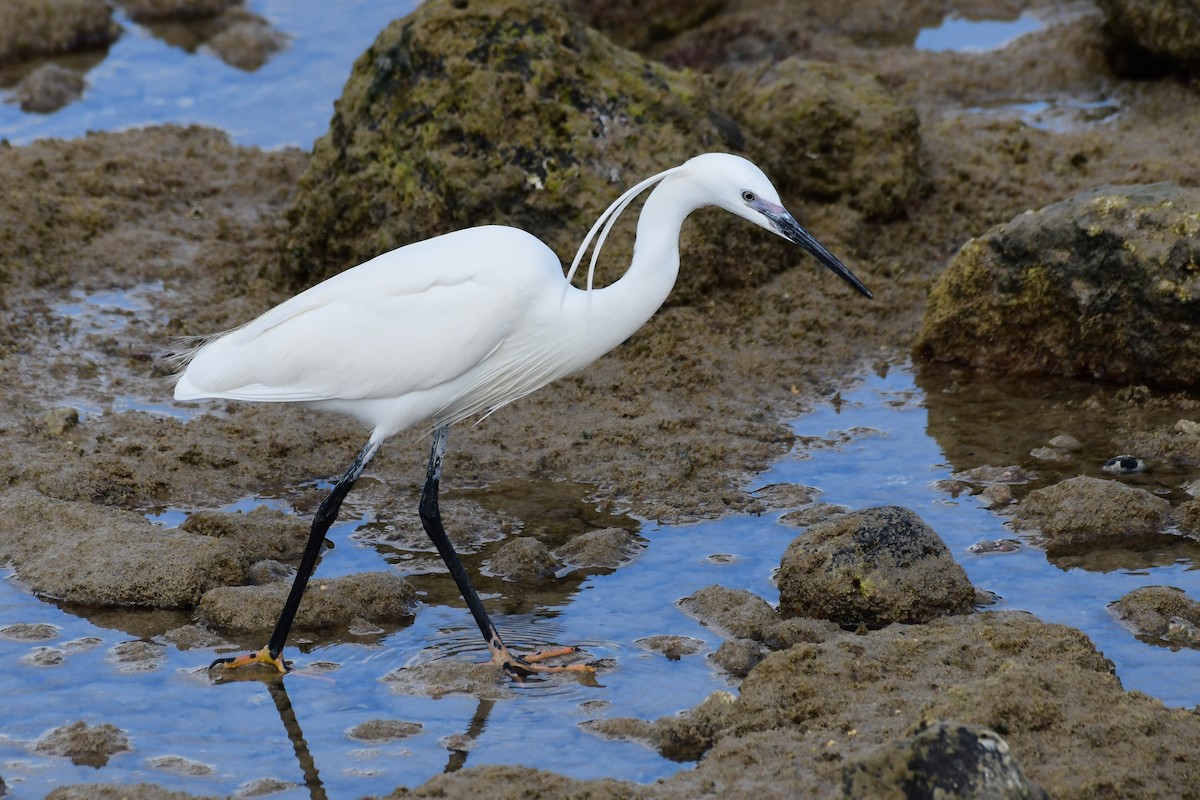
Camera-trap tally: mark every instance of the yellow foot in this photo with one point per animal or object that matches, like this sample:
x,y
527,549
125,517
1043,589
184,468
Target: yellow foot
x,y
261,657
519,666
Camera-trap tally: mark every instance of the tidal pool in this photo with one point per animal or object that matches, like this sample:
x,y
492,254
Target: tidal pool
x,y
869,447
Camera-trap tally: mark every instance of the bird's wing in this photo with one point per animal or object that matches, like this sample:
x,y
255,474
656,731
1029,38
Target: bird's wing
x,y
381,330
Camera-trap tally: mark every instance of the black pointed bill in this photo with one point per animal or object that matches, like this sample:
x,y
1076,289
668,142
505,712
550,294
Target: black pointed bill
x,y
788,228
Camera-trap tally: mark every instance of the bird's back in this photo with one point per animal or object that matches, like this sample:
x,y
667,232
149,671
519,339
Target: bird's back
x,y
403,324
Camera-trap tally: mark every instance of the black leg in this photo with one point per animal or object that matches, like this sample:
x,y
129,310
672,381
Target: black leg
x,y
431,520
323,519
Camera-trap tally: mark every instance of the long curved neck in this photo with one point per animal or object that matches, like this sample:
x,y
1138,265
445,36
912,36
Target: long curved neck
x,y
619,309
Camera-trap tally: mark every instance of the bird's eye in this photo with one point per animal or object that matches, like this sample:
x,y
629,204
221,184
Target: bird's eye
x,y
748,196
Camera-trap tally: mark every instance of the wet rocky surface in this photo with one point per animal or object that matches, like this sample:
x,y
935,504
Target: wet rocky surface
x,y
670,425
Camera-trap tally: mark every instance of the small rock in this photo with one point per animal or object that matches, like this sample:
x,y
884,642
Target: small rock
x,y
1065,441
607,547
45,657
998,495
733,613
988,475
439,678
995,546
86,745
812,515
786,495
1189,427
138,656
263,787
738,656
178,765
1083,510
523,559
384,730
673,647
247,43
942,759
58,421
45,90
1160,613
29,631
872,567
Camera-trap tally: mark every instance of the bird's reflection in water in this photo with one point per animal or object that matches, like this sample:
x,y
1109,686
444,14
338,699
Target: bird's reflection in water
x,y
459,746
308,766
458,755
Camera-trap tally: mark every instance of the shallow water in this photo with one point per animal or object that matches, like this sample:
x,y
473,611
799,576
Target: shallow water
x,y
869,448
144,80
964,35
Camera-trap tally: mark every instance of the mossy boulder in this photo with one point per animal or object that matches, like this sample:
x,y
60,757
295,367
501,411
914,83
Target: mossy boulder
x,y
500,111
1103,285
514,112
872,567
1153,35
831,133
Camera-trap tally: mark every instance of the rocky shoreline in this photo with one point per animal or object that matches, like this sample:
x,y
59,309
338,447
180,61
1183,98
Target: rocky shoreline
x,y
925,197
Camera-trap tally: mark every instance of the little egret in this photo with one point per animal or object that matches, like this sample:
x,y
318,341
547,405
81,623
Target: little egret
x,y
460,325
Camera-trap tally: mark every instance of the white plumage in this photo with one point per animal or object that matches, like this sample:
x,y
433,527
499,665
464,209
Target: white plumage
x,y
462,324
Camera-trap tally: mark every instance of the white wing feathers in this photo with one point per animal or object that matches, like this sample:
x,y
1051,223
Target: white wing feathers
x,y
406,321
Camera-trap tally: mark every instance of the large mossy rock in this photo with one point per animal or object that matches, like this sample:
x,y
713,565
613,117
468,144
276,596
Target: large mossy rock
x,y
1103,285
514,112
501,111
830,132
1152,35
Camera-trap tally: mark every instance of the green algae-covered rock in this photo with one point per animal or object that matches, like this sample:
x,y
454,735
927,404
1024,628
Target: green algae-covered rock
x,y
1103,285
498,111
832,132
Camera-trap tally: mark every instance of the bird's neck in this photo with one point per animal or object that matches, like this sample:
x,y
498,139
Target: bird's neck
x,y
619,309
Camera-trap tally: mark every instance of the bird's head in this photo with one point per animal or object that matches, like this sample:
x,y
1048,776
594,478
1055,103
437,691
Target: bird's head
x,y
738,186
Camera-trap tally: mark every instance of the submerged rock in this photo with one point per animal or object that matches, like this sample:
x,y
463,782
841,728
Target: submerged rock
x,y
1161,614
1083,510
35,28
943,759
384,730
1103,285
382,598
872,567
86,745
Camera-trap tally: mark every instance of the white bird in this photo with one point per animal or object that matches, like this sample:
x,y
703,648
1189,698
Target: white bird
x,y
460,325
